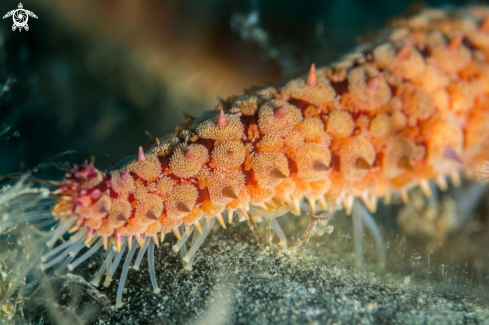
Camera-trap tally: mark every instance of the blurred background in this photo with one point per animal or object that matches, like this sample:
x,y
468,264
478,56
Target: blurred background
x,y
93,75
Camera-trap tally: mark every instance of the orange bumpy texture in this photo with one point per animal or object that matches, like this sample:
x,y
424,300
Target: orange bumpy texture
x,y
409,107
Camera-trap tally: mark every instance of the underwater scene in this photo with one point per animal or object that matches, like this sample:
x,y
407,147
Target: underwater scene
x,y
244,162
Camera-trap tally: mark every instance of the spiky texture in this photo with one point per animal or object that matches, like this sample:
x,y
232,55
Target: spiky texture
x,y
409,107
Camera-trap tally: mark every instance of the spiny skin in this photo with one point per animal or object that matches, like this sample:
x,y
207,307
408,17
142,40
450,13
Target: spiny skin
x,y
409,107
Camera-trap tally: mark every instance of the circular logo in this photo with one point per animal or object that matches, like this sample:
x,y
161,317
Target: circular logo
x,y
20,18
